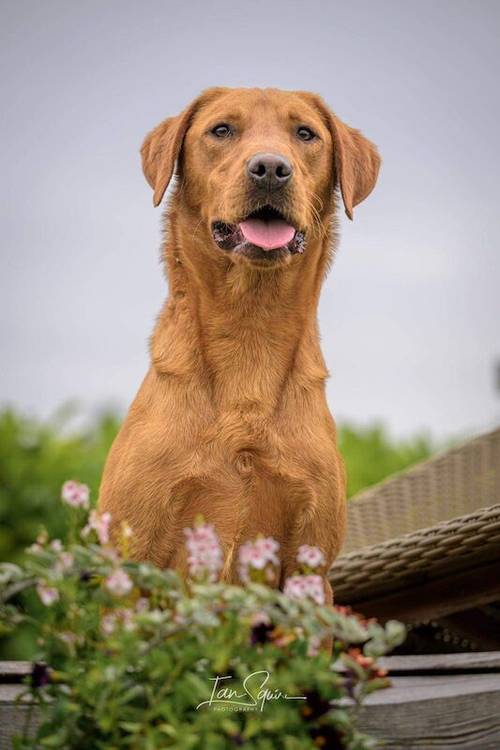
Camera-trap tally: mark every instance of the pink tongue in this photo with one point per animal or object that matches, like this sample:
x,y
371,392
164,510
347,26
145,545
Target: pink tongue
x,y
267,234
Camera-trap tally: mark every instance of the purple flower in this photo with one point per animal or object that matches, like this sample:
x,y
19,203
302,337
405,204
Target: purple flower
x,y
261,628
40,674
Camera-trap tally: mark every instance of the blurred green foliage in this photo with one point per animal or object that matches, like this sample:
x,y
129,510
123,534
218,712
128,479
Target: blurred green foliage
x,y
371,455
37,457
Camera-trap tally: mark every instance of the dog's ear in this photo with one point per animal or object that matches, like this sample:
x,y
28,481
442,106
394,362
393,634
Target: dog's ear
x,y
160,151
162,146
357,163
356,159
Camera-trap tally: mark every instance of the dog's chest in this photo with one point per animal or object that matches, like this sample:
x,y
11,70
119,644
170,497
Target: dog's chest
x,y
248,444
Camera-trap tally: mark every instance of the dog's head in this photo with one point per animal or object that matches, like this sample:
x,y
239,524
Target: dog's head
x,y
259,168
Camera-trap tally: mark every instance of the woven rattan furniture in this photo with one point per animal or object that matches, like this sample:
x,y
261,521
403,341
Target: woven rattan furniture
x,y
424,546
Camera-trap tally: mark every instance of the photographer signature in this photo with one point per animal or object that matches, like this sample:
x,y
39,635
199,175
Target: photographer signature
x,y
255,694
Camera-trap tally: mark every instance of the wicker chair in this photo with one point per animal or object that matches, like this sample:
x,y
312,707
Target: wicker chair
x,y
424,546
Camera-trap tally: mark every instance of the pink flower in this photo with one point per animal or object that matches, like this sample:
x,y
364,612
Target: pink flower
x,y
259,552
111,554
315,588
108,624
64,561
268,547
178,618
295,588
56,545
100,524
122,617
312,557
34,549
127,619
48,594
259,618
303,587
119,583
204,552
38,546
257,555
75,494
71,639
314,646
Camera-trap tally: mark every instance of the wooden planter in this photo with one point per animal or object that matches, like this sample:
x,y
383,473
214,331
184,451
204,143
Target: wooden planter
x,y
449,702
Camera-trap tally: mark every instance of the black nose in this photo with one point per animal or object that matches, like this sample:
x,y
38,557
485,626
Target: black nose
x,y
269,170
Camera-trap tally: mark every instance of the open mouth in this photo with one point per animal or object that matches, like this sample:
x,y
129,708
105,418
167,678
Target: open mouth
x,y
265,234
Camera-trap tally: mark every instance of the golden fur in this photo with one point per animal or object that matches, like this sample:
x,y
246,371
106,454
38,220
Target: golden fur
x,y
231,421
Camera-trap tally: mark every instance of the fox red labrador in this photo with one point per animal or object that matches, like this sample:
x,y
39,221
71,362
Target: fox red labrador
x,y
231,421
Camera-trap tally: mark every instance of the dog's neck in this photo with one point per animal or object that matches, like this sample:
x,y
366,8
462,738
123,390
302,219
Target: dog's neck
x,y
254,331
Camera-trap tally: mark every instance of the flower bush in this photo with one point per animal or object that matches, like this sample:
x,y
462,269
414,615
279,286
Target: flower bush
x,y
131,656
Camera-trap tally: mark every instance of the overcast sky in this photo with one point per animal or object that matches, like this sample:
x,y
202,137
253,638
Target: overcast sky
x,y
410,312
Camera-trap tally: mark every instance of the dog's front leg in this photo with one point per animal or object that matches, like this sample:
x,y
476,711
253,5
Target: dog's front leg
x,y
319,521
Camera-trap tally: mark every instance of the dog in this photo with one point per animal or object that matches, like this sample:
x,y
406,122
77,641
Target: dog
x,y
231,421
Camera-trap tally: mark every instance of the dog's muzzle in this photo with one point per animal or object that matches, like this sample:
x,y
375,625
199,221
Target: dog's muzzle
x,y
266,231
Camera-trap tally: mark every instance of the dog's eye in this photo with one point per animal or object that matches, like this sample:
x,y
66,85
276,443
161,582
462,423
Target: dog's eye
x,y
222,130
305,134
